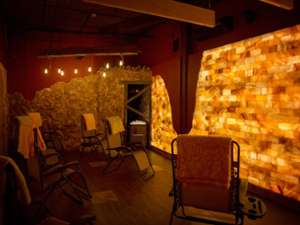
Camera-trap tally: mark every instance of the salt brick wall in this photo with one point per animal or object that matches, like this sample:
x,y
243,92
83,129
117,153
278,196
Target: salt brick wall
x,y
162,131
250,90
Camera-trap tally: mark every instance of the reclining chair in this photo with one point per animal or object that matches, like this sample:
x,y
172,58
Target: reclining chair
x,y
117,148
206,176
17,204
49,138
90,137
60,174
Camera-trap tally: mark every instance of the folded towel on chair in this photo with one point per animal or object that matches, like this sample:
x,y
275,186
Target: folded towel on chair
x,y
89,120
116,124
37,123
204,160
26,137
36,119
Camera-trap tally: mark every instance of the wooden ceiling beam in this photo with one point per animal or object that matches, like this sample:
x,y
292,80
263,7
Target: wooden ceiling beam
x,y
285,4
69,52
164,8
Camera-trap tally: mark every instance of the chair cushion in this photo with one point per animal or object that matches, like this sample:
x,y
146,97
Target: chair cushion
x,y
205,196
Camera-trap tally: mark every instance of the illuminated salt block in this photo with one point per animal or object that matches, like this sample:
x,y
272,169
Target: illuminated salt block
x,y
286,178
226,92
253,180
253,155
231,121
286,126
280,162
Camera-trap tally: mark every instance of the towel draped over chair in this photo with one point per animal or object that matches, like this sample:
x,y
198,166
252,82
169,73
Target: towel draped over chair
x,y
204,171
90,123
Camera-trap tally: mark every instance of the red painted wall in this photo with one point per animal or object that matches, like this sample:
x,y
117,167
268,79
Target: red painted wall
x,y
25,69
3,44
158,54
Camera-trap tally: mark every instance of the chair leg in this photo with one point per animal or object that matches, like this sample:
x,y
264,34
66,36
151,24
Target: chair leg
x,y
171,219
174,208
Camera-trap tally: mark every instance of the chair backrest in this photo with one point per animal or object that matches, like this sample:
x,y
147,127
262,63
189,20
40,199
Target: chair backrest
x,y
87,125
204,169
113,139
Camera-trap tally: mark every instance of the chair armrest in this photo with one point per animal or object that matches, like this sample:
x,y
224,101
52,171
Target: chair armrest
x,y
49,155
85,219
54,170
120,148
60,168
72,163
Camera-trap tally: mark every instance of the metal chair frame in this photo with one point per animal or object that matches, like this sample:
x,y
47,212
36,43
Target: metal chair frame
x,y
65,172
234,190
123,149
89,139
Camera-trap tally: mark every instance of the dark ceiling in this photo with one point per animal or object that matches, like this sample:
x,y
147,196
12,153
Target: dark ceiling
x,y
76,16
73,16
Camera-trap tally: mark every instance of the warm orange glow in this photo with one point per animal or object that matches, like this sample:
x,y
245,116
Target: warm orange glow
x,y
107,65
62,73
90,69
104,74
121,62
250,91
46,71
162,124
75,71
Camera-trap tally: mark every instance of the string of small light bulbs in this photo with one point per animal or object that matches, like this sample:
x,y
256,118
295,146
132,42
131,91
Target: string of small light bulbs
x,y
61,71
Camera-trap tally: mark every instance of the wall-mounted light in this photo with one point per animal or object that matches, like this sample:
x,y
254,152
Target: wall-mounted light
x,y
90,69
46,71
121,61
75,71
104,74
59,70
62,73
107,66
